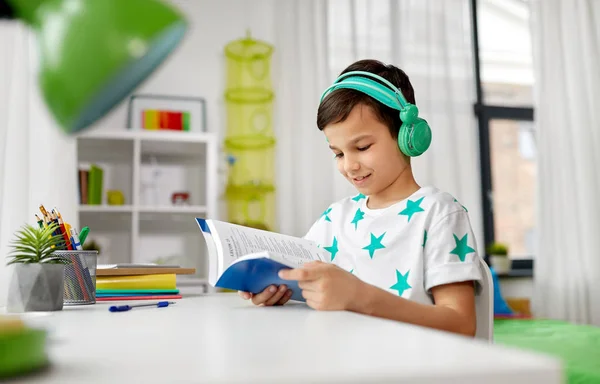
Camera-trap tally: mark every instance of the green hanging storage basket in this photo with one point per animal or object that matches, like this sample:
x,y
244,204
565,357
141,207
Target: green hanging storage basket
x,y
249,95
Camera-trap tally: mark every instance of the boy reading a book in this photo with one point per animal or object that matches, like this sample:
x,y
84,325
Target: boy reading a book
x,y
397,250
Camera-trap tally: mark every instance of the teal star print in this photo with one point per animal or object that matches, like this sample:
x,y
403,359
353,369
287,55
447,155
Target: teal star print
x,y
462,248
358,197
326,213
375,244
412,207
333,249
358,216
401,282
456,201
424,238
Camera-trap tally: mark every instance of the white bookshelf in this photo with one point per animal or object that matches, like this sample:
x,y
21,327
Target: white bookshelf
x,y
148,227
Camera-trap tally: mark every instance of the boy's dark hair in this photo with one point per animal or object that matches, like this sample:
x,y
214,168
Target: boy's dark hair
x,y
338,104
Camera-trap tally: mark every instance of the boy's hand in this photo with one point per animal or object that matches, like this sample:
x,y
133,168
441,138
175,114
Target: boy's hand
x,y
325,286
272,295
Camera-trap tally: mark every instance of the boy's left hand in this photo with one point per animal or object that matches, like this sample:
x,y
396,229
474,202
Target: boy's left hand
x,y
325,286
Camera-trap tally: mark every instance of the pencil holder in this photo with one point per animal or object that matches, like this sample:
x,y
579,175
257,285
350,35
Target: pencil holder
x,y
80,277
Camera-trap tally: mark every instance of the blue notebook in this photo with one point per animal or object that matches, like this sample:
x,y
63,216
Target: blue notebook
x,y
249,259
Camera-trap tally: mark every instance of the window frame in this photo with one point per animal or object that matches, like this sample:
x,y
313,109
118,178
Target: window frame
x,y
484,113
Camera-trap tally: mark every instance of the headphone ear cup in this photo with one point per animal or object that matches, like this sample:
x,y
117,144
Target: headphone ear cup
x,y
414,139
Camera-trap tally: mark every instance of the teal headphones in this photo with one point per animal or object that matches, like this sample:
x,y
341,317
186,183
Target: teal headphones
x,y
414,136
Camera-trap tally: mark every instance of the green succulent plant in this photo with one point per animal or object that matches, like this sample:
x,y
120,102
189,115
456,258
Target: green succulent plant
x,y
497,249
33,244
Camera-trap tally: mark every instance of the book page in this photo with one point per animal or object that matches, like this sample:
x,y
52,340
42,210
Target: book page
x,y
215,262
238,241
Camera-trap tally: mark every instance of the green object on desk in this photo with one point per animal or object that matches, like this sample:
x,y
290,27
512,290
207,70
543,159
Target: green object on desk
x,y
94,53
83,235
577,346
22,352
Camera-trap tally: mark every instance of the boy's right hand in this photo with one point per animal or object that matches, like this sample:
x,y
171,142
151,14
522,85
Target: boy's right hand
x,y
272,295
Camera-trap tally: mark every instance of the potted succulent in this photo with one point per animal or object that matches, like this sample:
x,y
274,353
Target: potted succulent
x,y
498,253
37,282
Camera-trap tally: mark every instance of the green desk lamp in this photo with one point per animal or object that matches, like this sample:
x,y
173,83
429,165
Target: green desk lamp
x,y
93,53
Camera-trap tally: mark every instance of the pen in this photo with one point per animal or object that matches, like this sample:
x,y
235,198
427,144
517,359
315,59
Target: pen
x,y
63,230
39,221
83,235
75,239
123,308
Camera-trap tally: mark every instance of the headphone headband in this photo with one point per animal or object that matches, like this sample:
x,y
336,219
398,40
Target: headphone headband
x,y
359,80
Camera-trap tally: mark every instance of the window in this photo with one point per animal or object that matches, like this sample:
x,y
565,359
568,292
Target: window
x,y
505,52
506,126
512,155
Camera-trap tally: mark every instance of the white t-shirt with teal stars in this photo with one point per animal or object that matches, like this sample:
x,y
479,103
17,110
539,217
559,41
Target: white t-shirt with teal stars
x,y
407,248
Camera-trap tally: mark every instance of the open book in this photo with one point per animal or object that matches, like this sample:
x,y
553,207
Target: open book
x,y
248,259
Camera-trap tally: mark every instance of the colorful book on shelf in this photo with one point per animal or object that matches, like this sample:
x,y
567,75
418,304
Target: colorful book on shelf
x,y
95,185
83,186
249,259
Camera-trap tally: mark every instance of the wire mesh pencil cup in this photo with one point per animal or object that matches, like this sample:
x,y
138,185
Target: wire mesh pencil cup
x,y
80,277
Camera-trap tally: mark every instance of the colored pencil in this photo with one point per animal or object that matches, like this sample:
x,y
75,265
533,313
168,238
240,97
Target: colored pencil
x,y
63,230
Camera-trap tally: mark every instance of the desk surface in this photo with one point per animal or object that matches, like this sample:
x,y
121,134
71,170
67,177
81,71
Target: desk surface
x,y
222,338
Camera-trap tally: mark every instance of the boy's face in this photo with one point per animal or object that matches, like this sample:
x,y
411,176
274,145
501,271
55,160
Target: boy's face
x,y
366,153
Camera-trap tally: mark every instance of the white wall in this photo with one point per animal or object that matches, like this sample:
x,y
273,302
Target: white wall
x,y
198,66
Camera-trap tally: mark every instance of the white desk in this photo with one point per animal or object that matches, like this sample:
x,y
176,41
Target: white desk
x,y
222,338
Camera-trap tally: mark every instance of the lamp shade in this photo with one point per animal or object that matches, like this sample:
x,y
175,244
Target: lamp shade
x,y
93,53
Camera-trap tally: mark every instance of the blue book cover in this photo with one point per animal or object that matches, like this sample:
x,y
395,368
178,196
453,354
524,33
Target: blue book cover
x,y
249,259
255,275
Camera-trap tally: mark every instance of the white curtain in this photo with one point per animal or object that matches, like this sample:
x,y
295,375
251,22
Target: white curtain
x,y
566,46
305,167
429,39
37,161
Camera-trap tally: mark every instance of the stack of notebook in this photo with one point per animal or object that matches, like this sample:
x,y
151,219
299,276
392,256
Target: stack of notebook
x,y
138,282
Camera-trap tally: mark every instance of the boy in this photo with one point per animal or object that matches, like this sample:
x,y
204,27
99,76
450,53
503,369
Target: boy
x,y
397,250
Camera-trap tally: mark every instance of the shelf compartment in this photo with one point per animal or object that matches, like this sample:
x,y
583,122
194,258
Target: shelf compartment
x,y
159,180
116,176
